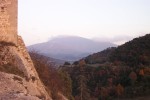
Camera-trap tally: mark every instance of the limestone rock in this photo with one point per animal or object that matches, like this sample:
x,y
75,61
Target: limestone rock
x,y
13,87
18,77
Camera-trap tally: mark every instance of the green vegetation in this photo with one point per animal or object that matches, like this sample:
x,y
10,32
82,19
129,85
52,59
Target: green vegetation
x,y
100,57
133,53
108,82
66,84
115,73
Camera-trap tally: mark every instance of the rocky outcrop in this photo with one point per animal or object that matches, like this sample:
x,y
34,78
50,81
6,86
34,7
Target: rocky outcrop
x,y
18,77
13,87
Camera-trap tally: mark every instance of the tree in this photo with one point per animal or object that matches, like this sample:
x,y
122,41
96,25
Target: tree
x,y
67,63
76,63
147,70
48,75
119,89
104,93
82,63
67,84
141,72
83,90
133,76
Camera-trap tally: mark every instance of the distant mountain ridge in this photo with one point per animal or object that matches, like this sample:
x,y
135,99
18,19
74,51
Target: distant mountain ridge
x,y
70,48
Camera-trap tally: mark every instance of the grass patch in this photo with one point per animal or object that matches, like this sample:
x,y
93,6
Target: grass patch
x,y
11,69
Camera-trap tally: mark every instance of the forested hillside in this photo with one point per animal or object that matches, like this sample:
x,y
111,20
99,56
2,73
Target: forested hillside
x,y
100,57
115,73
132,53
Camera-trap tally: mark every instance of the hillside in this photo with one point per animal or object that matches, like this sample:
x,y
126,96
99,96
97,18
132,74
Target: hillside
x,y
54,62
115,73
100,57
69,48
132,53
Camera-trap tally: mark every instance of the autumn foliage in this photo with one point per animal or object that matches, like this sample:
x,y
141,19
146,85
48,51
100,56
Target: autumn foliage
x,y
55,81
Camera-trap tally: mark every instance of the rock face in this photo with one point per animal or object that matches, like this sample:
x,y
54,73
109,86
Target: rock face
x,y
14,87
18,77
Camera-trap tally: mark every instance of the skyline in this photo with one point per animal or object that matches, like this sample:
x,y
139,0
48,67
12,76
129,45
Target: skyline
x,y
40,20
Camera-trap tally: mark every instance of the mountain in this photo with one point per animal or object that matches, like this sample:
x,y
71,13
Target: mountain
x,y
69,47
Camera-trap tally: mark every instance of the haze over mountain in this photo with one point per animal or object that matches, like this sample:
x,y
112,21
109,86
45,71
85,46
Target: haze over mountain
x,y
69,48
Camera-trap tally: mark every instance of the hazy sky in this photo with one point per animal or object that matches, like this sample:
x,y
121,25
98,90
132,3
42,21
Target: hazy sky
x,y
40,20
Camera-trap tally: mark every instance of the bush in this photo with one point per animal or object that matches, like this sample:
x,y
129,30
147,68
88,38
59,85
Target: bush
x,y
53,80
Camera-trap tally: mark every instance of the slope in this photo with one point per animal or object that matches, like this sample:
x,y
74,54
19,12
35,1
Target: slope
x,y
134,53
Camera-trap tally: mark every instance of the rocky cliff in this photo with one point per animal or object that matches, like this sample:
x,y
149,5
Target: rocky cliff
x,y
18,77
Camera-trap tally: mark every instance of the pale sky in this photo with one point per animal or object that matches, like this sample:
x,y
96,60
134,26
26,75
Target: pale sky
x,y
40,20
